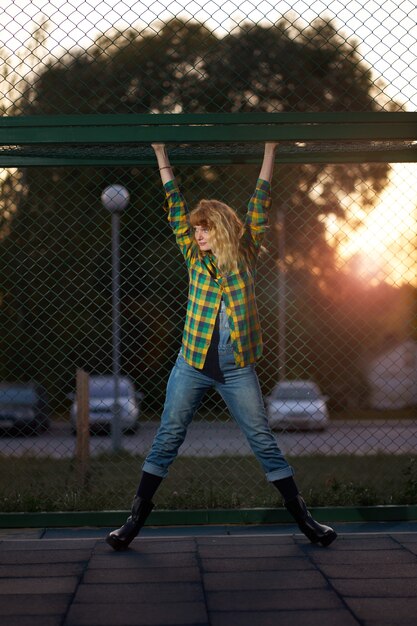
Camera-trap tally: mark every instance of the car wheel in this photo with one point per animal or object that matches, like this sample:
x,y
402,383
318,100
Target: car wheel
x,y
43,426
26,430
132,430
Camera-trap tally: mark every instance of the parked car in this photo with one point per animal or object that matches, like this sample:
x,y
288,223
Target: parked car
x,y
297,405
101,402
24,408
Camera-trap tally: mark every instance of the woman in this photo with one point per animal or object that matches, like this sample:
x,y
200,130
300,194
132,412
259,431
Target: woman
x,y
221,343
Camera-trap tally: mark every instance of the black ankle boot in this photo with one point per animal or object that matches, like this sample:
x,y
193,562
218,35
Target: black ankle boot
x,y
121,538
317,533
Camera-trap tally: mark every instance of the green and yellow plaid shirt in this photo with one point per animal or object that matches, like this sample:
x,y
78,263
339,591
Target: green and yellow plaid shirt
x,y
208,285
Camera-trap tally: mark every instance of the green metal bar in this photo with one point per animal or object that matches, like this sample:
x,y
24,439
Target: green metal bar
x,y
206,127
73,130
204,134
167,119
215,516
392,156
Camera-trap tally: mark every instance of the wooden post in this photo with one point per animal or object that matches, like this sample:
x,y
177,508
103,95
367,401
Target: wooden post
x,y
82,454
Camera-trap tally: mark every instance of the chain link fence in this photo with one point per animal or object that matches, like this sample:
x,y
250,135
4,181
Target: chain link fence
x,y
336,286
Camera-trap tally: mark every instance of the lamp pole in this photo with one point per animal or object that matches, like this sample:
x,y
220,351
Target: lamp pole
x,y
282,297
115,199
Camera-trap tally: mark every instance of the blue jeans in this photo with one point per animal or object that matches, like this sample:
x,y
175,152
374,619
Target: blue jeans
x,y
242,395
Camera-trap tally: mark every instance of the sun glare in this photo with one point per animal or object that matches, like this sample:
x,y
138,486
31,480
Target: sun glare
x,y
384,246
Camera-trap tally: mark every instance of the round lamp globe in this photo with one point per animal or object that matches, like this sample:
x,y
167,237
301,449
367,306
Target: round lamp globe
x,y
115,198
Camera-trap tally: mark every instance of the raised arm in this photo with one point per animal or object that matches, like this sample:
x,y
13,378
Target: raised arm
x,y
175,204
268,162
164,165
256,221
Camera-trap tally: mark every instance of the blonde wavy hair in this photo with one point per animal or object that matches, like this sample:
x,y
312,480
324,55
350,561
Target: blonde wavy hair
x,y
226,230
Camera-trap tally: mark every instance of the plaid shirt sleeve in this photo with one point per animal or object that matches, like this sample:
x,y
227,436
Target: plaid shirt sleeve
x,y
179,220
256,222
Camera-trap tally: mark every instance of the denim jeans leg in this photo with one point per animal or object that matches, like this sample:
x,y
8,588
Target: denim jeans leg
x,y
242,394
185,391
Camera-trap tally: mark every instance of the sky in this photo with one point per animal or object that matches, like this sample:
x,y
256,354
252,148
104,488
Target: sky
x,y
384,247
386,31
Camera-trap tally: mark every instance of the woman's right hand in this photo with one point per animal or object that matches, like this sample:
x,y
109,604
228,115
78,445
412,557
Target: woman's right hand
x,y
158,147
271,145
164,165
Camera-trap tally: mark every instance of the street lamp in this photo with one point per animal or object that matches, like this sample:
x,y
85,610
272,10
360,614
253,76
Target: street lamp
x,y
115,199
282,297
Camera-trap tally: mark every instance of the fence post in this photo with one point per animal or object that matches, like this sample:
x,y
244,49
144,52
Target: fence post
x,y
82,453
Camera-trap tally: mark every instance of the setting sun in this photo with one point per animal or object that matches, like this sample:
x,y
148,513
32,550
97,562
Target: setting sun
x,y
383,246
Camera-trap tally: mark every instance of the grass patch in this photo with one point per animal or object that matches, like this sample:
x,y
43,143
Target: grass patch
x,y
30,484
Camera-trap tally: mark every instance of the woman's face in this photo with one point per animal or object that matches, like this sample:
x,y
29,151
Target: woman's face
x,y
202,237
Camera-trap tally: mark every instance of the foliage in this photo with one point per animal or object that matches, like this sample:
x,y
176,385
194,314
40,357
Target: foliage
x,y
55,252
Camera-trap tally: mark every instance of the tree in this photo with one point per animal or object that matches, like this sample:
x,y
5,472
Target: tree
x,y
61,237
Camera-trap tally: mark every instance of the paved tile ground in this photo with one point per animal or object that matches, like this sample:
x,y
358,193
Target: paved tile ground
x,y
206,576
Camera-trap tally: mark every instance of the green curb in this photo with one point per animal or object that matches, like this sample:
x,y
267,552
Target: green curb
x,y
210,516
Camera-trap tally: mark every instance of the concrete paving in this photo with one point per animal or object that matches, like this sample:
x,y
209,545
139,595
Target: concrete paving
x,y
211,576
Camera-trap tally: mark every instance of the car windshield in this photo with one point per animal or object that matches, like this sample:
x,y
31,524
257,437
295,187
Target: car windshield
x,y
17,395
295,393
105,388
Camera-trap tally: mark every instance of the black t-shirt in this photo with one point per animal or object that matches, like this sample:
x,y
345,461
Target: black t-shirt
x,y
211,364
